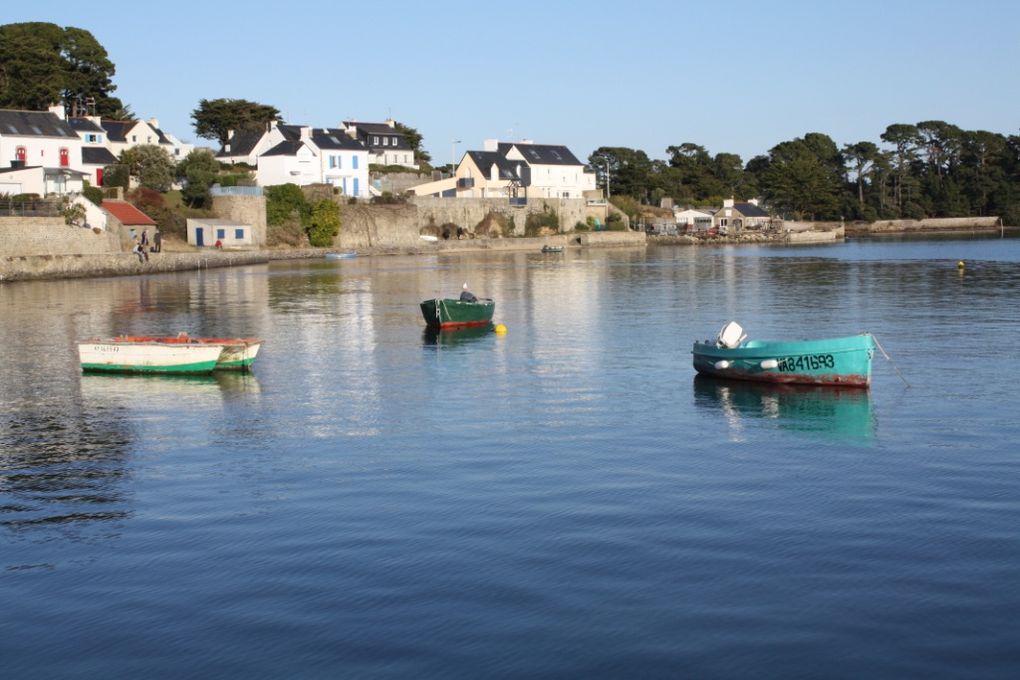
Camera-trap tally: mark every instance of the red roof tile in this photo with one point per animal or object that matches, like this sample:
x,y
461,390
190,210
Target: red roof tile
x,y
128,214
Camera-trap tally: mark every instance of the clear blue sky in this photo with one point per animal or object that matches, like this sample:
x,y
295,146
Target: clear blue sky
x,y
737,76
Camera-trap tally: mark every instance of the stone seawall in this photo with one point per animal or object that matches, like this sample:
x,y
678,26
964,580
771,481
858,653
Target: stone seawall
x,y
929,225
27,236
26,268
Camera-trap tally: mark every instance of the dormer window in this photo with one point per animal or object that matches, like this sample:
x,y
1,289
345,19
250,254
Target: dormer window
x,y
375,140
385,141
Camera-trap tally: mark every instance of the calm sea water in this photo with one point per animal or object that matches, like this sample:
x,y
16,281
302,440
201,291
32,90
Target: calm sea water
x,y
565,500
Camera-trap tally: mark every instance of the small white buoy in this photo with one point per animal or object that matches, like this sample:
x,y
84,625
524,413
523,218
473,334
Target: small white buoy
x,y
769,363
721,364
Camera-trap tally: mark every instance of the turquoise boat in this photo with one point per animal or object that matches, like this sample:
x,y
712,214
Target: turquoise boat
x,y
830,361
450,313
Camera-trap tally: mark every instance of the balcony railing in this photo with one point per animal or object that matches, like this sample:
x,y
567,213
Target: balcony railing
x,y
217,190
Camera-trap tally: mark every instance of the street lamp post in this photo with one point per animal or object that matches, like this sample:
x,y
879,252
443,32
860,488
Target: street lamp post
x,y
453,156
607,180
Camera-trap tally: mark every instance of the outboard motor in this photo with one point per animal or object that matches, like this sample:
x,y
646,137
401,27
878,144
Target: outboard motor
x,y
731,335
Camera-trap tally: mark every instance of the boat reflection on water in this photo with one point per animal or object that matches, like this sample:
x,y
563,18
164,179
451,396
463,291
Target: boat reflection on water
x,y
110,387
455,336
841,413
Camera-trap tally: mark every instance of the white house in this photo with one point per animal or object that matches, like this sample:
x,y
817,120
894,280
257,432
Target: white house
x,y
555,171
95,155
246,146
40,153
691,220
386,145
124,134
515,170
314,156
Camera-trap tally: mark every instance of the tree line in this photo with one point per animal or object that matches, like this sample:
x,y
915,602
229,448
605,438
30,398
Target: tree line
x,y
927,169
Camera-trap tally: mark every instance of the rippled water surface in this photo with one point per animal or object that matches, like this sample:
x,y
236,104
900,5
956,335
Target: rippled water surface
x,y
564,500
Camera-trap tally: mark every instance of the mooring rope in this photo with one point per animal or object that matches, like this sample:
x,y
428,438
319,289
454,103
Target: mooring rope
x,y
889,359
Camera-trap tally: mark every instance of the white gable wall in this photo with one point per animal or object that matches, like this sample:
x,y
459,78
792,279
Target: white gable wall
x,y
302,168
43,151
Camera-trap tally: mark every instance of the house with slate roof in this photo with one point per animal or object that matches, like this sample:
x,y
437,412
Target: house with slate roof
x,y
515,170
95,156
40,153
301,155
305,155
245,146
386,145
735,217
124,134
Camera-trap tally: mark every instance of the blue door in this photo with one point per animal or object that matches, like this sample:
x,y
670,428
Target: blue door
x,y
199,240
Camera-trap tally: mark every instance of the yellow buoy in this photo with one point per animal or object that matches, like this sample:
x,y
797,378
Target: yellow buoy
x,y
960,265
500,329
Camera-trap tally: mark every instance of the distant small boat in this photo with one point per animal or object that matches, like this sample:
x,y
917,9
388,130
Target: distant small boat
x,y
452,313
155,354
552,249
342,256
428,237
829,361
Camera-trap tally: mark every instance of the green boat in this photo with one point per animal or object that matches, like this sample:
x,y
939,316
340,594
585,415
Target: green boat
x,y
452,313
829,361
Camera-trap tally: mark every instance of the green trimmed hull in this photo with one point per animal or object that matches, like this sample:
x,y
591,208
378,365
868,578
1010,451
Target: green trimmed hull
x,y
449,313
179,369
833,361
132,356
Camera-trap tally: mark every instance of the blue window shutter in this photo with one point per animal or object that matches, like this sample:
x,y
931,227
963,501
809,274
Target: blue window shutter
x,y
239,234
355,186
354,162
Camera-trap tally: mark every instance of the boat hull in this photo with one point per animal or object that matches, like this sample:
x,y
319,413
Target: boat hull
x,y
833,361
449,313
147,357
236,354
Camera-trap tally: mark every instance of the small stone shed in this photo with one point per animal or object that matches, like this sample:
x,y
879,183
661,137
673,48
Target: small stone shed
x,y
205,232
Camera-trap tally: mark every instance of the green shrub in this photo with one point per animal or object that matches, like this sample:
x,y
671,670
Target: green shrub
x,y
323,223
581,226
94,194
535,222
285,201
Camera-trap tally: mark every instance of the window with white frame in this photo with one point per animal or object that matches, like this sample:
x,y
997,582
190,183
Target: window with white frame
x,y
375,140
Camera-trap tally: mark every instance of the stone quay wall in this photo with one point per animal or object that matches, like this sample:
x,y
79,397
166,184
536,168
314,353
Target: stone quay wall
x,y
468,212
26,236
244,210
27,268
930,225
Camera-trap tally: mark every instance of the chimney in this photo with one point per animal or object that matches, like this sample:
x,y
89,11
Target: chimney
x,y
727,203
154,123
58,111
306,134
491,144
392,123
